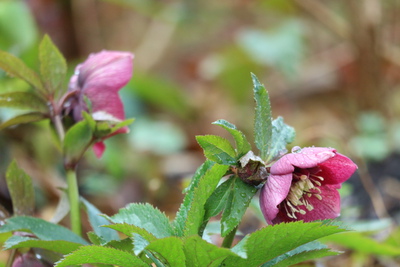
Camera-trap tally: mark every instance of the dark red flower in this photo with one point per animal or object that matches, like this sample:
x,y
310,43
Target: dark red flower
x,y
303,185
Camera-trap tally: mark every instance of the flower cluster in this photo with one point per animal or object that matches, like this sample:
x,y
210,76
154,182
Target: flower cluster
x,y
302,185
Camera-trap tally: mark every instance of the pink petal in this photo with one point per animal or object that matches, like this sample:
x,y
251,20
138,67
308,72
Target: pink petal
x,y
273,193
98,149
337,170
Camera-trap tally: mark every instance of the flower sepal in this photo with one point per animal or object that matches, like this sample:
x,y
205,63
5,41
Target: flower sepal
x,y
252,169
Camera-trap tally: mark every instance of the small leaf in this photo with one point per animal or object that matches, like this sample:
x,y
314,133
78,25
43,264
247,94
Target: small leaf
x,y
59,246
201,253
77,140
53,66
237,203
262,119
24,100
101,255
42,229
97,221
21,190
122,124
217,201
282,134
144,216
16,67
171,249
242,145
217,149
273,241
130,230
24,118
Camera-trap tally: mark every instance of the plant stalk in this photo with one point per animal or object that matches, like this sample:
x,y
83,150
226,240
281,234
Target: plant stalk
x,y
73,196
227,243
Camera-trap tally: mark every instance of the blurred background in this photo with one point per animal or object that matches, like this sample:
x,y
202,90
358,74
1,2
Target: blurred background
x,y
332,68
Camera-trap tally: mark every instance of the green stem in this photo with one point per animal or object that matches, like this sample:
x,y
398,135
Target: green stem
x,y
227,243
73,195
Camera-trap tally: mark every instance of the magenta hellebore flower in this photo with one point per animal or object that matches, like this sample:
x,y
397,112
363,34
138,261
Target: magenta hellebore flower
x,y
303,185
99,79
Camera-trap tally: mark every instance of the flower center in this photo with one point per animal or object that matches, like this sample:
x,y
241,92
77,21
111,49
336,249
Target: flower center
x,y
305,185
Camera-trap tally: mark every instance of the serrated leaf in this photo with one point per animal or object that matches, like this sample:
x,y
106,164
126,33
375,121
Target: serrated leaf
x,y
101,255
24,118
262,118
180,220
171,249
77,140
53,66
16,67
24,100
95,239
201,253
272,241
139,243
239,199
21,190
42,229
97,221
358,242
242,145
59,246
304,252
217,201
124,244
282,134
144,216
217,149
130,230
207,184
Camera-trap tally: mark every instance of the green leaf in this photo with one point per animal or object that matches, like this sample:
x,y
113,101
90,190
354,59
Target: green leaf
x,y
218,200
21,190
201,253
206,185
272,241
358,242
305,252
40,228
130,230
24,100
139,243
282,134
262,118
101,255
77,140
59,246
180,220
53,66
24,118
16,67
240,195
96,221
171,249
144,216
242,145
217,149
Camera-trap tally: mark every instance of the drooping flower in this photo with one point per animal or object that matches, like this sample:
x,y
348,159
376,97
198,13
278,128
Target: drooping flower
x,y
303,185
96,83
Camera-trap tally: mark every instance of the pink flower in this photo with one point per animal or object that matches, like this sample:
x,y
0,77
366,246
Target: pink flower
x,y
303,185
98,80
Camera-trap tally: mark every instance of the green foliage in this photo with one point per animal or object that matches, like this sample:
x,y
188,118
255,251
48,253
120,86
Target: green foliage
x,y
24,100
16,67
242,145
171,249
101,255
42,229
130,230
282,134
144,216
273,241
262,118
21,190
217,149
24,118
53,66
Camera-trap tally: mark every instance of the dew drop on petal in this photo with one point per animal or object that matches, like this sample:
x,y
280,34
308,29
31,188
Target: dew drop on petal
x,y
296,149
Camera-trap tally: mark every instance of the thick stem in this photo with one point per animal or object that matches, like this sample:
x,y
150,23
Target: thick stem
x,y
227,243
73,195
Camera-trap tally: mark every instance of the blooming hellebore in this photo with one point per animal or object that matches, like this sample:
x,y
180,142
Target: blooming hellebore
x,y
96,83
303,185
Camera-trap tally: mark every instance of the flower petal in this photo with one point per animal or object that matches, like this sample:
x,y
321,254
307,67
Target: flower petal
x,y
337,170
273,193
98,149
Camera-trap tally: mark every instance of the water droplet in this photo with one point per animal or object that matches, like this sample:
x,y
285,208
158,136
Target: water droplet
x,y
296,149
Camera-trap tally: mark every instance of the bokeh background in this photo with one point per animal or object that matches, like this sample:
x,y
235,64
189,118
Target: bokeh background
x,y
332,68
